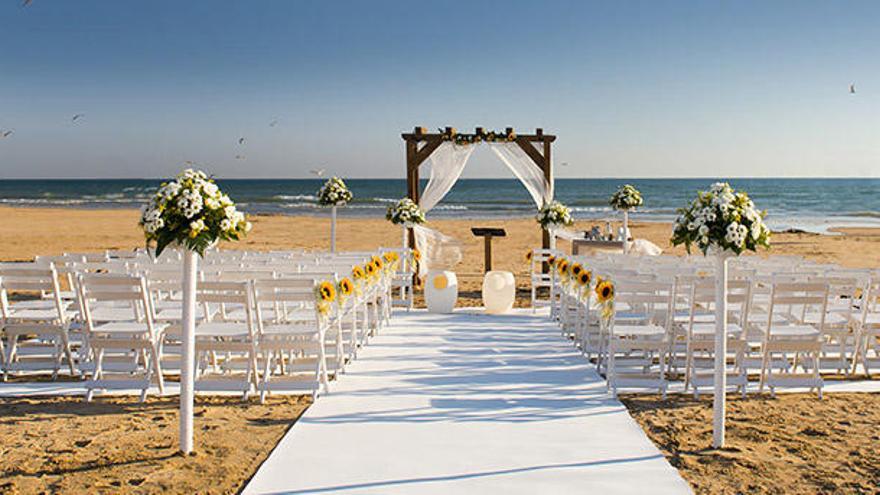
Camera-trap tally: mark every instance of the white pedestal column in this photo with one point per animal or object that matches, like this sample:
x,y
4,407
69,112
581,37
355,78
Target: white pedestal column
x,y
333,229
625,231
187,364
405,238
720,350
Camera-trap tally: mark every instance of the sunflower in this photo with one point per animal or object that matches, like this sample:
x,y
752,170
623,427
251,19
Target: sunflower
x,y
345,287
562,267
378,262
584,277
327,291
576,269
528,256
389,256
370,269
604,291
357,272
551,260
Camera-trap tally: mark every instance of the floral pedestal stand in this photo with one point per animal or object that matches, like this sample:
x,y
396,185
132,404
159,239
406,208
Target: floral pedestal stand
x,y
187,363
333,228
720,398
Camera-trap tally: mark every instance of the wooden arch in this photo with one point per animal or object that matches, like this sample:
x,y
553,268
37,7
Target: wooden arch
x,y
420,144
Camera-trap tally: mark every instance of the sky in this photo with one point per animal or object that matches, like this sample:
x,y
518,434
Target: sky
x,y
630,89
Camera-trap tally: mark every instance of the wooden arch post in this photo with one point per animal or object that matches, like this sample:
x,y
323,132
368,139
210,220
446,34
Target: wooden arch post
x,y
420,144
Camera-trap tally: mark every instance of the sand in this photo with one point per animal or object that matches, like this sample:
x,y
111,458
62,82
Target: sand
x,y
793,444
116,445
32,231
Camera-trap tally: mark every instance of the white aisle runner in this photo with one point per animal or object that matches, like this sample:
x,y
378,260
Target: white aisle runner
x,y
467,403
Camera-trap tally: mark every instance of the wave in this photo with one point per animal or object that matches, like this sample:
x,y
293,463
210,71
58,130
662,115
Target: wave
x,y
295,197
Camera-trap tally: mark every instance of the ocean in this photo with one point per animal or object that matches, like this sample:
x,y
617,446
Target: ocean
x,y
807,204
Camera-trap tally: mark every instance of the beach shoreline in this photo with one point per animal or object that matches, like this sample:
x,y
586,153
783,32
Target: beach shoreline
x,y
41,231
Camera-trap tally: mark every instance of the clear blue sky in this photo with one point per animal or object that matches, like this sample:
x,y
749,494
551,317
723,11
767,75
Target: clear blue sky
x,y
631,89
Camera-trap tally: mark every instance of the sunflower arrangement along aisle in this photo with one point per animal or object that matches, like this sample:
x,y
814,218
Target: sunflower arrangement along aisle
x,y
334,193
724,223
192,213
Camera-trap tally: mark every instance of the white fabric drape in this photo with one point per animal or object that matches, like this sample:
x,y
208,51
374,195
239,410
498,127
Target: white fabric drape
x,y
439,251
525,170
447,163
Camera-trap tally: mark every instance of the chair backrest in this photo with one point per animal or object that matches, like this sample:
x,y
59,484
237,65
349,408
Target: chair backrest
x,y
279,293
796,299
228,293
703,296
96,288
33,279
653,299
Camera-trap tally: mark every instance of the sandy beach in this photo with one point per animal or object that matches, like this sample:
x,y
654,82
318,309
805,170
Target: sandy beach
x,y
48,231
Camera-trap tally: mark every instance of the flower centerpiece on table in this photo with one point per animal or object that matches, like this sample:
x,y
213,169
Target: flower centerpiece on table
x,y
554,215
721,219
626,198
334,192
405,212
191,211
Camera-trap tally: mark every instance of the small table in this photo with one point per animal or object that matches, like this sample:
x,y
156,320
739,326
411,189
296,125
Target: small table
x,y
487,233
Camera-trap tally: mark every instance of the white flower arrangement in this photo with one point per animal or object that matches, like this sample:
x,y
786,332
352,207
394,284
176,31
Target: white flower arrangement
x,y
721,219
554,214
626,198
334,192
191,211
405,212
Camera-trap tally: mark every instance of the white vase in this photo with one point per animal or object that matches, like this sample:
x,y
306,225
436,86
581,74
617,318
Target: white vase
x,y
441,291
499,291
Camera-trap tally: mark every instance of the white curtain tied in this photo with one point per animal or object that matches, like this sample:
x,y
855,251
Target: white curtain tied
x,y
525,170
439,251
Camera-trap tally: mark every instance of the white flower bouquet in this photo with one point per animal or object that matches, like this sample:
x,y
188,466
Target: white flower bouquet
x,y
191,211
554,214
334,192
722,219
626,198
405,212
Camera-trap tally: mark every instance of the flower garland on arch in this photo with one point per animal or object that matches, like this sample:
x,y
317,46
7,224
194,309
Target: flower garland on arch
x,y
507,136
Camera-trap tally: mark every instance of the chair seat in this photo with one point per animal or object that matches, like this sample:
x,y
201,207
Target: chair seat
x,y
222,329
831,318
109,314
703,330
31,315
297,330
793,332
639,331
127,327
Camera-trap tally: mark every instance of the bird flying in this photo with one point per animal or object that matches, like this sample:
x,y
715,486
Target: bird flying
x,y
6,134
239,157
273,123
318,172
852,89
241,141
77,117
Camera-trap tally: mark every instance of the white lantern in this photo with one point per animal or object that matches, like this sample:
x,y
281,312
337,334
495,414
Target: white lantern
x,y
499,291
441,291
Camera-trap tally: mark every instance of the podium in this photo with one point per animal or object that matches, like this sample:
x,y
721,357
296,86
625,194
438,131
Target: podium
x,y
487,233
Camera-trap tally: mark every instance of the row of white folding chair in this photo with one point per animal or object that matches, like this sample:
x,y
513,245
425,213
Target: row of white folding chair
x,y
37,335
